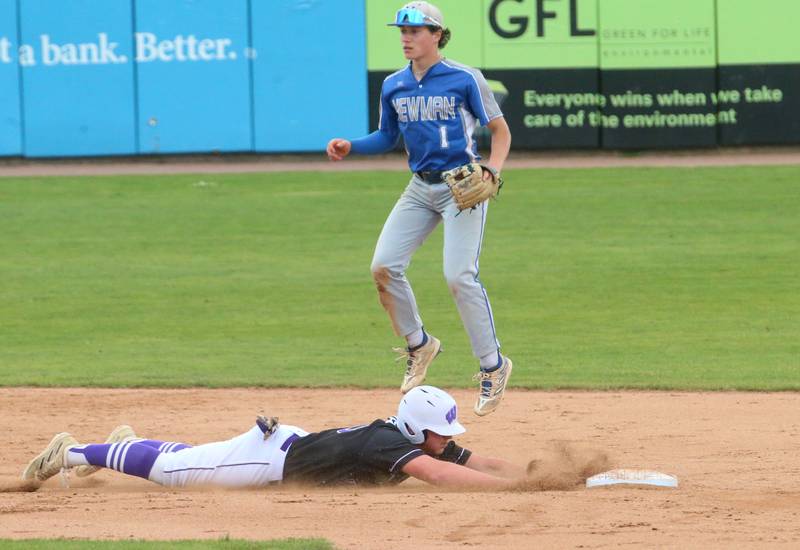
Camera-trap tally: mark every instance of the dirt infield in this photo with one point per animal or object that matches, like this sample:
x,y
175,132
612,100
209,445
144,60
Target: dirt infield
x,y
735,454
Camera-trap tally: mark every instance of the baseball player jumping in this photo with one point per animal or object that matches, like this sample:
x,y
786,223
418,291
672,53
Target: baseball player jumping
x,y
417,442
436,104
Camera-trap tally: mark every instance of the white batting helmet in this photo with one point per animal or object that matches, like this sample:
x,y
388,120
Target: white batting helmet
x,y
427,408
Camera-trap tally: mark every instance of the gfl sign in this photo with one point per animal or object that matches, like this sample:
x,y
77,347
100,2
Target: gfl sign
x,y
514,27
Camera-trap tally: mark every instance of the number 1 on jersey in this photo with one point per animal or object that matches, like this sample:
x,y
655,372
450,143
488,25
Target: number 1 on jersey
x,y
443,135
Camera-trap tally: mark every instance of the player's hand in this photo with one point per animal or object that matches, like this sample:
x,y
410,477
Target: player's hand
x,y
338,148
488,174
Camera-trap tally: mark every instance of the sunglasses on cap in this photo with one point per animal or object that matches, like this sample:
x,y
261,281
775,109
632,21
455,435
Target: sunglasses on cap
x,y
413,17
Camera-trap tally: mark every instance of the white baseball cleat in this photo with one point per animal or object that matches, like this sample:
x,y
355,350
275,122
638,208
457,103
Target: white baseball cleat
x,y
418,361
120,434
50,461
492,387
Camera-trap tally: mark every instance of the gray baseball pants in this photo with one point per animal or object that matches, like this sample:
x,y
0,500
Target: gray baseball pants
x,y
417,213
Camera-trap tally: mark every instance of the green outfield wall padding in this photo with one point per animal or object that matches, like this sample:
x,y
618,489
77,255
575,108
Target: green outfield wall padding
x,y
757,32
546,35
653,34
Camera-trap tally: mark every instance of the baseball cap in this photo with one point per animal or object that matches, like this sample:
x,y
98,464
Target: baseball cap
x,y
418,14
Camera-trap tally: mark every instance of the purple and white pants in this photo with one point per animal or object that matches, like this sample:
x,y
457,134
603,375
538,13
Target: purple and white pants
x,y
247,460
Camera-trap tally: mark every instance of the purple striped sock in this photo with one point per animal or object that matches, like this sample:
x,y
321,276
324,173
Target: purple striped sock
x,y
94,454
131,458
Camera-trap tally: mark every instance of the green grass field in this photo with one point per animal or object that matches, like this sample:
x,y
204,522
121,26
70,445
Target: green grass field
x,y
599,278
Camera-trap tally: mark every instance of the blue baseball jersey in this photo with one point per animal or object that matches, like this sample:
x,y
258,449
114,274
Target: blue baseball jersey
x,y
436,115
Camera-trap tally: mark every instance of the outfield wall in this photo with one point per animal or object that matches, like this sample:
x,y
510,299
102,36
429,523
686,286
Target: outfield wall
x,y
621,74
126,77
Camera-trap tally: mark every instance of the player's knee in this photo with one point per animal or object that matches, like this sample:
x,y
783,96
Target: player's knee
x,y
459,280
381,275
386,267
378,269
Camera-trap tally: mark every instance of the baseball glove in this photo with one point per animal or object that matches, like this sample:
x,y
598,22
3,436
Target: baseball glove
x,y
268,425
468,187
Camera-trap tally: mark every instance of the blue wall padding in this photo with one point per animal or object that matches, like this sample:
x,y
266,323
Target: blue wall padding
x,y
309,73
193,76
10,122
78,79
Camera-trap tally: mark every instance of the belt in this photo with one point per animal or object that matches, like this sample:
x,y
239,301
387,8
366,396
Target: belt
x,y
431,177
288,443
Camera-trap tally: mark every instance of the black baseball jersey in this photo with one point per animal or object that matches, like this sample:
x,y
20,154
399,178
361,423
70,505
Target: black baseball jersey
x,y
370,454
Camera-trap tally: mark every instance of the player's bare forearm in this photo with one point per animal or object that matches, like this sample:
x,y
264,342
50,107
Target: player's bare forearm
x,y
447,474
496,467
501,143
